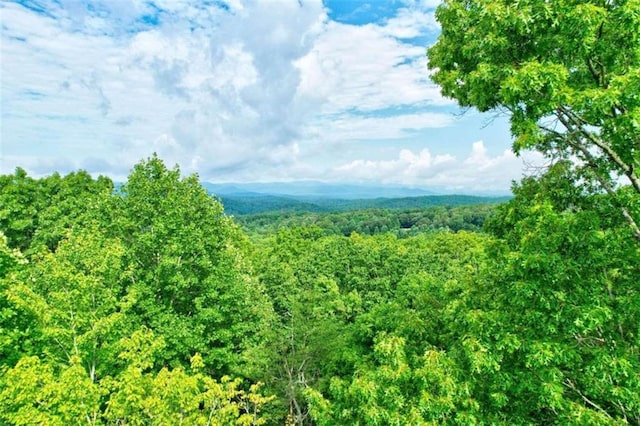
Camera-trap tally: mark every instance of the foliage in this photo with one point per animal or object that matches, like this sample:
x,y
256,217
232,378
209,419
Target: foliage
x,y
335,295
150,306
14,323
36,391
571,284
78,298
38,212
567,72
103,270
550,330
402,222
187,263
255,204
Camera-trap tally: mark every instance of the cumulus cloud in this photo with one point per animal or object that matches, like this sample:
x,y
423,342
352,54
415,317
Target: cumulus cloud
x,y
410,22
235,90
219,82
477,172
366,68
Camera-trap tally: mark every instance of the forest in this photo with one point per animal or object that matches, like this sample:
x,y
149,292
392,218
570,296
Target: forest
x,y
255,204
147,304
400,222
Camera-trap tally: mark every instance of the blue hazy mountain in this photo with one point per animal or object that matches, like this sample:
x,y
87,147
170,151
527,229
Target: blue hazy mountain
x,y
314,190
317,197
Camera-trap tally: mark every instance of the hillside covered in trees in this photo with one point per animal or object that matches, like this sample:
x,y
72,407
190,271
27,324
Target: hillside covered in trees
x,y
148,305
254,204
400,222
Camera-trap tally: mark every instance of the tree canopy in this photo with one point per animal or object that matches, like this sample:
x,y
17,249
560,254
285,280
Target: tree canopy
x,y
148,305
566,72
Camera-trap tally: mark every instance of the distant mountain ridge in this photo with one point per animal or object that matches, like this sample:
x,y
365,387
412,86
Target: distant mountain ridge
x,y
314,190
319,197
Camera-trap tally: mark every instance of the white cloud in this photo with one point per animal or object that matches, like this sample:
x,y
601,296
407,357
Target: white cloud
x,y
221,90
478,172
422,4
248,92
366,68
345,127
410,23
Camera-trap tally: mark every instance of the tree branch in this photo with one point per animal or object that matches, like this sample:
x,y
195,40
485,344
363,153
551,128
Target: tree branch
x,y
575,123
592,70
591,161
569,384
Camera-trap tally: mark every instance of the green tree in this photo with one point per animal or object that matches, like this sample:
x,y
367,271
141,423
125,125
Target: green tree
x,y
189,267
183,395
308,333
72,200
41,391
15,337
352,308
76,345
393,389
567,73
79,298
20,202
37,213
557,309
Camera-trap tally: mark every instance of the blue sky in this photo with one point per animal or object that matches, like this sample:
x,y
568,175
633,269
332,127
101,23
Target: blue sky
x,y
241,91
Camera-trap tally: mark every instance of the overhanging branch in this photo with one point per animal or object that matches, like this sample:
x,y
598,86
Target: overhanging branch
x,y
574,123
592,163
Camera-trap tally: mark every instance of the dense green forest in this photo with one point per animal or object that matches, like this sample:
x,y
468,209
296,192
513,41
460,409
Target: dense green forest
x,y
400,222
258,203
149,305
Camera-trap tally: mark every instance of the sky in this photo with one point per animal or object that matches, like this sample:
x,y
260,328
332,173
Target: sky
x,y
241,91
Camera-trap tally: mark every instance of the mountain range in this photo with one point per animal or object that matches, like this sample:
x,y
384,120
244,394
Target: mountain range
x,y
317,197
314,189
